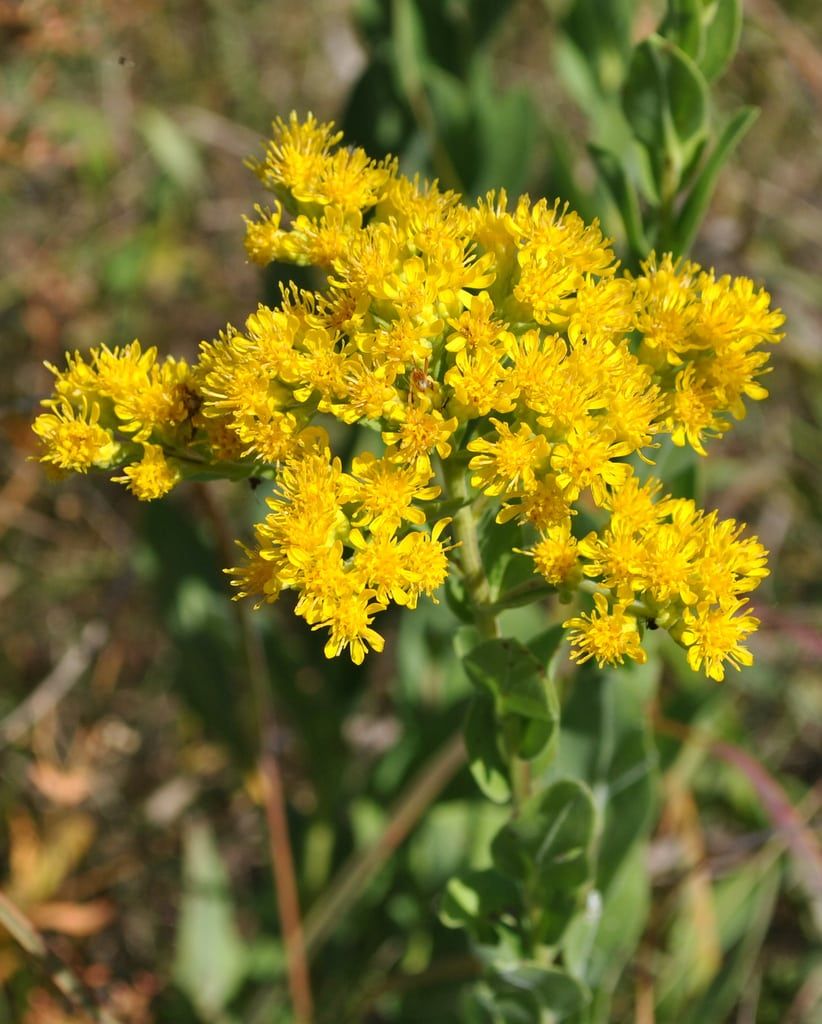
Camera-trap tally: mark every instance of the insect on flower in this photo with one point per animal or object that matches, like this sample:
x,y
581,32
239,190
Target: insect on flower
x,y
419,380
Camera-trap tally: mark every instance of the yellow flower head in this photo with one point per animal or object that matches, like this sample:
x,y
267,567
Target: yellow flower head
x,y
714,635
480,385
349,622
426,557
509,463
556,556
608,634
152,477
256,578
381,562
478,327
420,433
385,493
542,507
72,439
587,459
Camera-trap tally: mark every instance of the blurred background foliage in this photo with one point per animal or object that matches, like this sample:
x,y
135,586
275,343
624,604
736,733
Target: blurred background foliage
x,y
130,827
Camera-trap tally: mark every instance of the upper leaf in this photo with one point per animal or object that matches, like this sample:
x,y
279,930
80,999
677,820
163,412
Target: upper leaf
x,y
524,701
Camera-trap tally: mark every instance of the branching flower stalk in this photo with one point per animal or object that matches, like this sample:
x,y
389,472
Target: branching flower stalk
x,y
509,324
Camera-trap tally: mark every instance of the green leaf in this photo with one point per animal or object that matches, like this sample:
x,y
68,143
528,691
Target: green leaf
x,y
687,96
408,47
678,466
696,205
643,95
545,647
476,900
524,702
453,836
451,106
683,25
721,37
578,76
606,741
210,960
476,1006
601,32
707,30
614,173
506,131
552,826
457,599
602,938
533,989
172,150
561,174
548,847
204,650
484,758
665,99
497,542
515,1007
376,114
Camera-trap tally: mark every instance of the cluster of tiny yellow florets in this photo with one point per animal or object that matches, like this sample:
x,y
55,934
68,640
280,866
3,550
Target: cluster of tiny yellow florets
x,y
494,340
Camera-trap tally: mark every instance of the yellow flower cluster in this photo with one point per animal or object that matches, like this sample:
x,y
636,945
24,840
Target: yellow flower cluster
x,y
495,340
667,563
120,406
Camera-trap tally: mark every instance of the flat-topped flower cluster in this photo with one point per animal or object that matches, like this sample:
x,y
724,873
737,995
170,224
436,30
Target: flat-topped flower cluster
x,y
496,340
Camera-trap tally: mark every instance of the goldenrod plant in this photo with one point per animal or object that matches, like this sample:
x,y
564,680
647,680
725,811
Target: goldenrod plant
x,y
463,448
503,389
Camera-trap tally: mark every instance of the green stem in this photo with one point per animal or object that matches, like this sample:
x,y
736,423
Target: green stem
x,y
637,608
473,572
479,594
520,780
524,593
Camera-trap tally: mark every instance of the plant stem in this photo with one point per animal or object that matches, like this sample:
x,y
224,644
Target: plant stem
x,y
473,571
524,593
520,781
479,594
636,608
